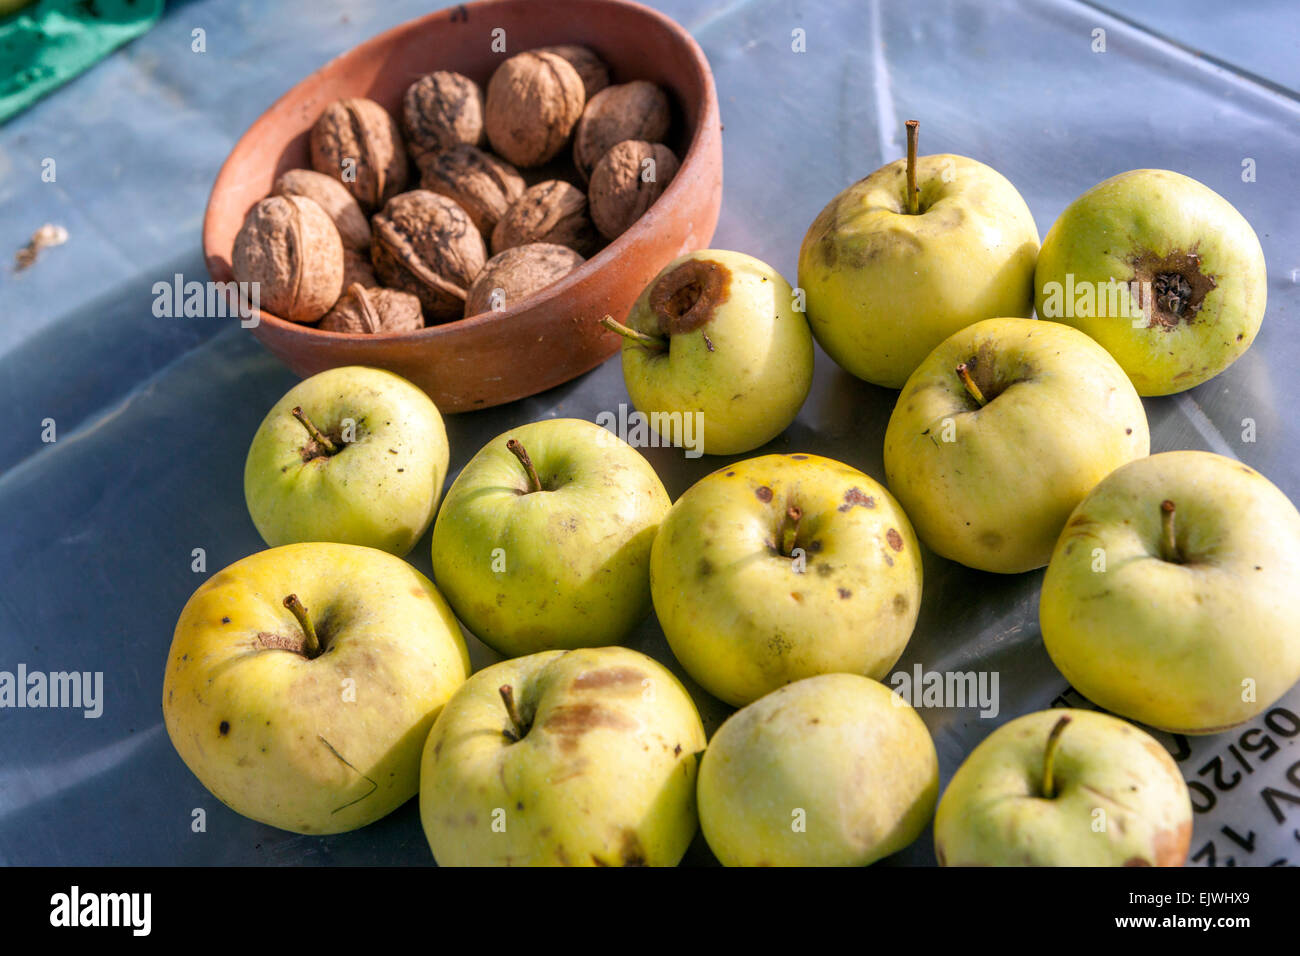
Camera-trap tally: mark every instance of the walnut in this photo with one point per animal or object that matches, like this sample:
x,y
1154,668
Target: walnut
x,y
512,276
636,110
330,195
533,102
552,211
591,68
374,310
425,244
483,185
288,245
626,182
356,142
441,111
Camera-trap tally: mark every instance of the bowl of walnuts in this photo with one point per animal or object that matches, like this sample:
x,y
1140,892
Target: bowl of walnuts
x,y
463,198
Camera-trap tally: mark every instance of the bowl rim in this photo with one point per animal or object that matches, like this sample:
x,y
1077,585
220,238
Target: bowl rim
x,y
644,226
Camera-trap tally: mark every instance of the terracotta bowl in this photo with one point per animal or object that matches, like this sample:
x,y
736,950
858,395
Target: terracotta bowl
x,y
550,337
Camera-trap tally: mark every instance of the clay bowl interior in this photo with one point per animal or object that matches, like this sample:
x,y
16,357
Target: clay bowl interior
x,y
552,336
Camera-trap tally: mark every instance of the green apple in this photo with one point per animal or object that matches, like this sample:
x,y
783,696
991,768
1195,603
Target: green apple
x,y
1162,271
887,281
1001,431
783,567
1172,596
1065,788
354,455
544,539
570,758
302,682
833,770
716,335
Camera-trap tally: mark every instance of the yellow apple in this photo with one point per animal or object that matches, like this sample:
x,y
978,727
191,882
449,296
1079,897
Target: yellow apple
x,y
887,284
563,758
1162,271
1173,595
310,714
716,335
829,771
1001,431
783,567
1065,788
354,455
544,540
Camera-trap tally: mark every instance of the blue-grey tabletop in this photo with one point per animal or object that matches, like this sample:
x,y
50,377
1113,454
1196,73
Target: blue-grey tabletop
x,y
124,434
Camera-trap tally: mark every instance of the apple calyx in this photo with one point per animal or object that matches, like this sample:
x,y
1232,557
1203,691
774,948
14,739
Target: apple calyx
x,y
321,444
518,450
963,373
790,529
652,342
517,729
1175,285
1168,535
913,194
1049,757
311,643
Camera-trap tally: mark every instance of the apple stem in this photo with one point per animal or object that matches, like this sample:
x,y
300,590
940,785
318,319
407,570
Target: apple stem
x,y
913,195
790,529
963,372
518,451
1049,756
516,729
310,644
319,437
1169,539
652,342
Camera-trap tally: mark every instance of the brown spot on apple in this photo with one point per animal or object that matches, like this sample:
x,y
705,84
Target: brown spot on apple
x,y
223,728
895,539
609,677
857,498
571,721
705,568
763,493
844,593
901,604
686,298
799,457
991,540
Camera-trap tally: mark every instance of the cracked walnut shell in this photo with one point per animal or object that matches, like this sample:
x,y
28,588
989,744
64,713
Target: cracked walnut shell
x,y
552,211
370,311
289,246
425,244
358,143
533,102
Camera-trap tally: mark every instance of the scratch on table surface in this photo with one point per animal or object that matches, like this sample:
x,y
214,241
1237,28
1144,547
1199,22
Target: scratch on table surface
x,y
1204,426
882,88
27,786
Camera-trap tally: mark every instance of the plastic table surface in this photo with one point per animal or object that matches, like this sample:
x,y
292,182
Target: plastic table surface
x,y
153,415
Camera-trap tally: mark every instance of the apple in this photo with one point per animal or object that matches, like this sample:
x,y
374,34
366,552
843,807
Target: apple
x,y
1001,431
716,335
1172,597
353,455
544,539
833,770
1065,788
1162,271
573,758
888,279
784,567
302,682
